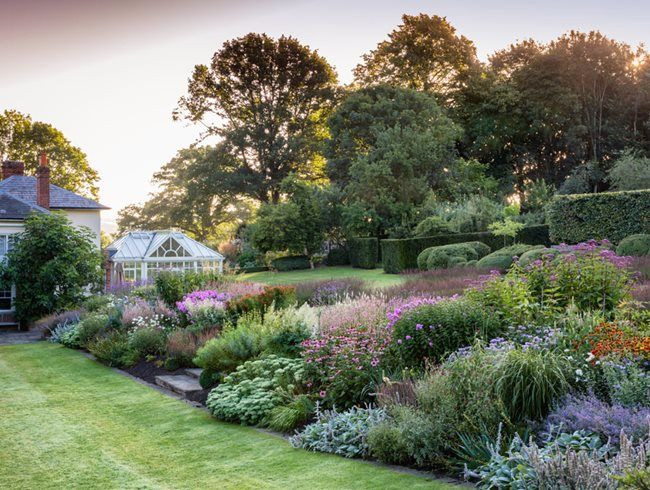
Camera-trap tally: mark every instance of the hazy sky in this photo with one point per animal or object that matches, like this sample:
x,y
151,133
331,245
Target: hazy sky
x,y
109,73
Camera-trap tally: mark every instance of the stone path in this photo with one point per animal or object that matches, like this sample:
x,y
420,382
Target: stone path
x,y
187,384
11,337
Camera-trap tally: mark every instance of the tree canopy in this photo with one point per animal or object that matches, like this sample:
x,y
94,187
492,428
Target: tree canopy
x,y
23,139
423,53
194,195
268,101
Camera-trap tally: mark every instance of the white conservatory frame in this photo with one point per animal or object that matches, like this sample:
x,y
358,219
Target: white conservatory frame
x,y
142,254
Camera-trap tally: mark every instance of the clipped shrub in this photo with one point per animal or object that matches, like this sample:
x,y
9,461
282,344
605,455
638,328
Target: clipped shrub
x,y
337,256
364,252
431,329
432,226
249,394
342,433
401,254
503,258
446,256
637,245
290,263
606,215
534,254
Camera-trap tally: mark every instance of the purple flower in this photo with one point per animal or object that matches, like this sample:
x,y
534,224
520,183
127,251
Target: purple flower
x,y
418,326
408,337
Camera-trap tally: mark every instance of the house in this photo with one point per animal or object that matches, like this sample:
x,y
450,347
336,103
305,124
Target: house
x,y
139,255
21,195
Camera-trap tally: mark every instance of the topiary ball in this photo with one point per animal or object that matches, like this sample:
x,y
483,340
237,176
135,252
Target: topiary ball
x,y
637,245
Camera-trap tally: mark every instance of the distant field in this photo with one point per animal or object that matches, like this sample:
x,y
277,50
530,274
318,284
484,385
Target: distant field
x,y
374,277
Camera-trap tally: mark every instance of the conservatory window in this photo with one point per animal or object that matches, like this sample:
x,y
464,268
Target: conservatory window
x,y
6,244
170,248
132,271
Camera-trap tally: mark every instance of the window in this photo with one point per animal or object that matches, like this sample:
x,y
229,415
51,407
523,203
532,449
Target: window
x,y
132,271
170,248
177,265
5,299
6,244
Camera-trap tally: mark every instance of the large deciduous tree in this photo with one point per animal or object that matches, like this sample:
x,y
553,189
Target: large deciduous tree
x,y
23,139
195,194
389,147
268,101
298,224
423,53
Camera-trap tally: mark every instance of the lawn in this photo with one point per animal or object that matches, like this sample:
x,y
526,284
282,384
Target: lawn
x,y
67,421
374,277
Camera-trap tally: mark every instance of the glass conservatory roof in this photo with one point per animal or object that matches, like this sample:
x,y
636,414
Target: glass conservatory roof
x,y
156,245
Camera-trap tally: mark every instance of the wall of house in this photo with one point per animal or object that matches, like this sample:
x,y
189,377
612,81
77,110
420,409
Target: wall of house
x,y
10,227
90,218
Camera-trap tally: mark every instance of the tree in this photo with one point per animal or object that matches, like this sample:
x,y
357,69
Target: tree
x,y
541,111
23,139
268,100
389,147
196,195
51,265
423,53
630,171
297,224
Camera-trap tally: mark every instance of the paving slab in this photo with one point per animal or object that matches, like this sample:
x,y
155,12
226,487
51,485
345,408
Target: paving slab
x,y
194,372
180,383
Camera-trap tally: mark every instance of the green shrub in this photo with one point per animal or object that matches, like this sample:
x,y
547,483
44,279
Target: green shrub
x,y
97,303
279,296
90,327
70,337
147,341
531,256
208,379
249,394
337,256
636,245
401,254
432,226
286,418
364,252
503,258
429,331
449,255
607,215
530,381
172,286
290,263
342,433
386,443
113,349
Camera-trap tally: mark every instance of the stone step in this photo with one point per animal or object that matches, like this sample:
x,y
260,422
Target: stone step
x,y
193,372
182,384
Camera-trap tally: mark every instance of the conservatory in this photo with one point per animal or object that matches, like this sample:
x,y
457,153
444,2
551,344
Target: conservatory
x,y
140,255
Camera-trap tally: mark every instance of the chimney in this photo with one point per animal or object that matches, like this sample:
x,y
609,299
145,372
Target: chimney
x,y
10,167
43,183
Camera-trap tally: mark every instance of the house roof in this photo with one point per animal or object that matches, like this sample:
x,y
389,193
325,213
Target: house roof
x,y
140,245
13,207
24,187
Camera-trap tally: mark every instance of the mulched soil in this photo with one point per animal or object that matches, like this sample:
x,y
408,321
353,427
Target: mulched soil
x,y
148,371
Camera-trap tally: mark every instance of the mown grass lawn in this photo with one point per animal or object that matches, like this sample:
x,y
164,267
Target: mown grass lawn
x,y
69,422
374,277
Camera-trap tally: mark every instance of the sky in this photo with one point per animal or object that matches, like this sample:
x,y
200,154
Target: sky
x,y
109,73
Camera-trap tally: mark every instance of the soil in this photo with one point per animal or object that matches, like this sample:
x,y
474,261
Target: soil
x,y
148,370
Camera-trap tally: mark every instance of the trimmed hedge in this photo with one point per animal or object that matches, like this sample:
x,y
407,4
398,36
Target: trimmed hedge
x,y
608,215
337,256
503,258
291,263
454,254
401,254
636,245
364,252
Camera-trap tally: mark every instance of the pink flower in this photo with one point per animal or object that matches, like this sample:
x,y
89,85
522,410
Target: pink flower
x,y
322,393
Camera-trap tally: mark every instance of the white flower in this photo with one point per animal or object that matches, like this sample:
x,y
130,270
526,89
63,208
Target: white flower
x,y
579,372
590,357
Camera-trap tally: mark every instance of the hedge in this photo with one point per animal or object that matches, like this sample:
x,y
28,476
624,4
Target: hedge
x,y
611,215
401,254
291,263
337,256
364,252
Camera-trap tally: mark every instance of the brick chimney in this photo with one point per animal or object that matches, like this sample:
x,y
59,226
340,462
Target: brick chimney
x,y
43,183
10,167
